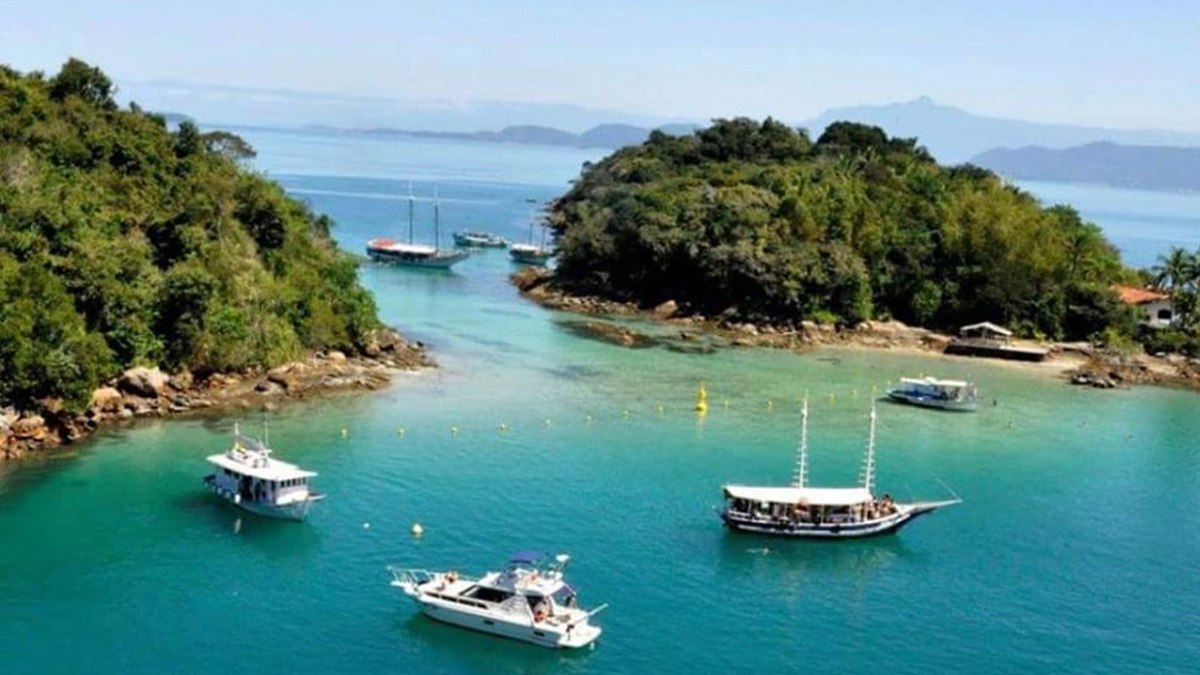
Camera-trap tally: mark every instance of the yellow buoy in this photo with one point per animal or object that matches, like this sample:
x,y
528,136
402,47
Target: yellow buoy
x,y
417,530
701,399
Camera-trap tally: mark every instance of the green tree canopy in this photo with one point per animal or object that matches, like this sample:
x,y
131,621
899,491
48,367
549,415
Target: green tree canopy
x,y
122,243
753,220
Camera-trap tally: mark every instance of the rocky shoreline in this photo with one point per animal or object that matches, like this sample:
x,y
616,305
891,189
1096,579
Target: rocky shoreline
x,y
144,392
1078,363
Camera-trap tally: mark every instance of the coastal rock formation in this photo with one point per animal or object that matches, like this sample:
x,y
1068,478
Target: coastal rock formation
x,y
148,392
142,381
666,310
611,333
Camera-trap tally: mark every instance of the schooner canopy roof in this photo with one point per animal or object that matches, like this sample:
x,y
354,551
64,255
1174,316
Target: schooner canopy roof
x,y
848,496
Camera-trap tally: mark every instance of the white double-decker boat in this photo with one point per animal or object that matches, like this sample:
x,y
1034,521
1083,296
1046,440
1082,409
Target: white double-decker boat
x,y
529,601
798,510
248,477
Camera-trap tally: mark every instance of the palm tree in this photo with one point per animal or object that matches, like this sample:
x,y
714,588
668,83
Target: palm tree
x,y
1176,270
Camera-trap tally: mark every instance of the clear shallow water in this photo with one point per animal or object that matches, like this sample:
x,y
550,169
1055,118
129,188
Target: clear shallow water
x,y
1074,552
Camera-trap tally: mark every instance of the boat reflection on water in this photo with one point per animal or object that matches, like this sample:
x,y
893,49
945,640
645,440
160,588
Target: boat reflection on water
x,y
792,566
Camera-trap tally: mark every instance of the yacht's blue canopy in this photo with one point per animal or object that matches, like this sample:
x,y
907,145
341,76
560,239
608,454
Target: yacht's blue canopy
x,y
527,557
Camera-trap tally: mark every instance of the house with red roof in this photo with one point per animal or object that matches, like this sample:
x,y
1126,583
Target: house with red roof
x,y
1157,310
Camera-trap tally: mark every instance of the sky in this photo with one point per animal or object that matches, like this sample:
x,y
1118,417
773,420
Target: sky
x,y
1104,63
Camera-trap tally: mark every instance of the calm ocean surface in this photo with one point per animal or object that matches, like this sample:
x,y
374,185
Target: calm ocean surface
x,y
1075,551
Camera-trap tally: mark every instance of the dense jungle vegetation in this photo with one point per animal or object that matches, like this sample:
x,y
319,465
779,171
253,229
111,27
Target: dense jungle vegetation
x,y
124,243
755,221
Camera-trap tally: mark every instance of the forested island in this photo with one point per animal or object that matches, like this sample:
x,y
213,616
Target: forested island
x,y
124,244
756,222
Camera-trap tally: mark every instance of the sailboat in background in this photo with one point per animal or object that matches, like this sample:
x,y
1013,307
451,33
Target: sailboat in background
x,y
532,254
412,254
798,510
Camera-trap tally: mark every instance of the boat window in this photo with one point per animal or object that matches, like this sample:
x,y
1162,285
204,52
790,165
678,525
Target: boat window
x,y
487,594
565,597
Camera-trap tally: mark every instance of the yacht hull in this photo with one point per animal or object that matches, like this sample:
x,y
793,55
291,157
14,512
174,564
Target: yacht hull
x,y
874,528
295,511
932,402
441,261
518,629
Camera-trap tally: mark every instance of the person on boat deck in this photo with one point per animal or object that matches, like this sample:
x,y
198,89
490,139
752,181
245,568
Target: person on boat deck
x,y
542,608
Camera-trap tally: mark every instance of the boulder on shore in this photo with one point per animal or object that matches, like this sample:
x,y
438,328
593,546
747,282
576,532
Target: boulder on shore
x,y
143,381
106,399
666,310
33,426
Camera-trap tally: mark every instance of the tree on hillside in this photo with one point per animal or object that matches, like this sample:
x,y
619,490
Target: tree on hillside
x,y
89,83
122,243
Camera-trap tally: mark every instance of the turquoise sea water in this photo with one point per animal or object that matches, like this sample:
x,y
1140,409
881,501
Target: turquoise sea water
x,y
1074,552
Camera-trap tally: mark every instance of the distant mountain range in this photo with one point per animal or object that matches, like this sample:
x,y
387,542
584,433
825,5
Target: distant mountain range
x,y
222,105
1147,167
954,135
601,136
1135,158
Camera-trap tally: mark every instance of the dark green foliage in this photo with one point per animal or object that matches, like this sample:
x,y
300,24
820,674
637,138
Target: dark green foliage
x,y
755,221
87,82
122,243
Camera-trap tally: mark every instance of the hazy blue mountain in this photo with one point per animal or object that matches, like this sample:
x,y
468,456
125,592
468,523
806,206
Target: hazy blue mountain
x,y
955,135
1152,167
242,106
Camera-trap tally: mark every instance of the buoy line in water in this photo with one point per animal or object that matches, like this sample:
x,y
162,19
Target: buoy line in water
x,y
699,410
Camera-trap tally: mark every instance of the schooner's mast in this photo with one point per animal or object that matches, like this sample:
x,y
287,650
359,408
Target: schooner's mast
x,y
801,476
437,220
411,203
867,477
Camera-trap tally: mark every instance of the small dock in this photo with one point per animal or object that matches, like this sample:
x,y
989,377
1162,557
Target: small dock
x,y
991,341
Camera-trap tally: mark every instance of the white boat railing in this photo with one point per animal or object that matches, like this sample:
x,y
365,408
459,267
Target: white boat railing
x,y
411,576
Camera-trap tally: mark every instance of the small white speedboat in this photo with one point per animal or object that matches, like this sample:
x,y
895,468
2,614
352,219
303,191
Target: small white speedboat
x,y
249,478
530,254
930,392
529,601
477,239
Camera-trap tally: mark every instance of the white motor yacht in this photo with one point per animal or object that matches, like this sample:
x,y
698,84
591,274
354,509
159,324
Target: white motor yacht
x,y
248,477
529,601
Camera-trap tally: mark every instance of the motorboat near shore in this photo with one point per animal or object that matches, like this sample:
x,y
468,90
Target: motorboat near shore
x,y
530,254
528,601
930,392
798,510
249,478
477,239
